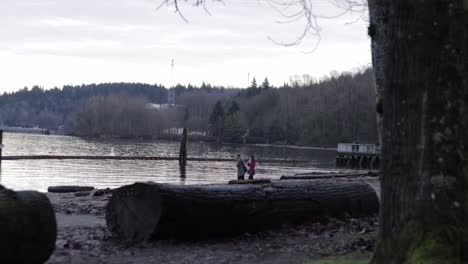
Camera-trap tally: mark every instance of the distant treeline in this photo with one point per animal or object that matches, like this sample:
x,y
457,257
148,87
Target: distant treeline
x,y
57,108
340,108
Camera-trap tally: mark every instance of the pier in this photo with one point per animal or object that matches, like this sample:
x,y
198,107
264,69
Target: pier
x,y
30,130
358,156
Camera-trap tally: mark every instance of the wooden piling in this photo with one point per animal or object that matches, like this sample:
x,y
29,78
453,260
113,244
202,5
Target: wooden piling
x,y
183,152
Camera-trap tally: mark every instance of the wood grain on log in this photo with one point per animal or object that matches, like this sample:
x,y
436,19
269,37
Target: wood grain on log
x,y
144,211
28,227
254,181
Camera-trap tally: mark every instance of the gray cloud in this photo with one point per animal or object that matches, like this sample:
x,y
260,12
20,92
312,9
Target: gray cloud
x,y
133,32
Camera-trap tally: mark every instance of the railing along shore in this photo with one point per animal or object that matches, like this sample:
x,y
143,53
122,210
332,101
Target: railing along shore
x,y
113,157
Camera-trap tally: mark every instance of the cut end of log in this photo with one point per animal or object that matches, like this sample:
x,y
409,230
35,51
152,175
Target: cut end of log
x,y
28,227
133,212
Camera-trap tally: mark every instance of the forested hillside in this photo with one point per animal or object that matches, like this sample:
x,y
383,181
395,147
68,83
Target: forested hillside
x,y
340,108
52,108
337,109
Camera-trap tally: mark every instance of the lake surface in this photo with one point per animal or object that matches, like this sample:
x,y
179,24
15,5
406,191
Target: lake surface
x,y
40,174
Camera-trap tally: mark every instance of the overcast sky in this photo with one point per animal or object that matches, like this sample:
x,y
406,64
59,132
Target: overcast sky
x,y
58,42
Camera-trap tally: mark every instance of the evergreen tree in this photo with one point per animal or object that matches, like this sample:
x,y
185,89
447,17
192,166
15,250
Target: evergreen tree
x,y
266,84
234,108
186,116
218,112
254,84
234,128
217,121
275,132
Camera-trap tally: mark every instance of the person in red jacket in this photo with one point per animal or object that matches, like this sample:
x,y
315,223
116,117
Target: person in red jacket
x,y
251,164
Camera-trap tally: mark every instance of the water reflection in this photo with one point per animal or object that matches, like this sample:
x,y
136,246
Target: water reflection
x,y
183,172
39,174
182,180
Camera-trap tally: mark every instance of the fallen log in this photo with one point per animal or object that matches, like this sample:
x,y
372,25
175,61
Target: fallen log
x,y
145,211
323,176
28,227
254,181
315,173
68,189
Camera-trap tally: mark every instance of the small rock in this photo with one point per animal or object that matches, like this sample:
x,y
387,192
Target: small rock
x,y
62,243
76,246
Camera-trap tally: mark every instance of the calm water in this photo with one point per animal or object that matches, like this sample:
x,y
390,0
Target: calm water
x,y
39,174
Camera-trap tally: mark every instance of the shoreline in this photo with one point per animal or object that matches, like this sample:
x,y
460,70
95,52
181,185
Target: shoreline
x,y
83,238
293,147
168,139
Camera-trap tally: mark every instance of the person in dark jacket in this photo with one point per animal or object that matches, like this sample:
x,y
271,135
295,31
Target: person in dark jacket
x,y
241,169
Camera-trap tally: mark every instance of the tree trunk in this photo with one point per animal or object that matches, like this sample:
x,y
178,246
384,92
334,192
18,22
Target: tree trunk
x,y
27,227
420,55
144,211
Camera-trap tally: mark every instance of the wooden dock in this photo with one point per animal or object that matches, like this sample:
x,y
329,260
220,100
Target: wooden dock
x,y
362,156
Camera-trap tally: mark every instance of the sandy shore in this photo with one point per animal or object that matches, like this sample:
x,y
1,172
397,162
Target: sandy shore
x,y
83,238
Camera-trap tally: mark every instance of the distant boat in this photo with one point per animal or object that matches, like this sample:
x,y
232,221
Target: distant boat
x,y
112,152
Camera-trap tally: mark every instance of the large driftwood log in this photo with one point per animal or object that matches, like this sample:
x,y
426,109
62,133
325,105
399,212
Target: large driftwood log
x,y
27,227
254,181
69,188
144,211
325,176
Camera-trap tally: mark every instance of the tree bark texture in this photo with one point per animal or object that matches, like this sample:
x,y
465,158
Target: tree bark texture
x,y
27,227
145,211
420,58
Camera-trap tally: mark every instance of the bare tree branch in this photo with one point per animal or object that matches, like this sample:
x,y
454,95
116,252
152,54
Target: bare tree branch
x,y
283,7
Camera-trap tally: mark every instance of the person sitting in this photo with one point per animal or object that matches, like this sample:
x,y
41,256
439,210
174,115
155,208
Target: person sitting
x,y
251,165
